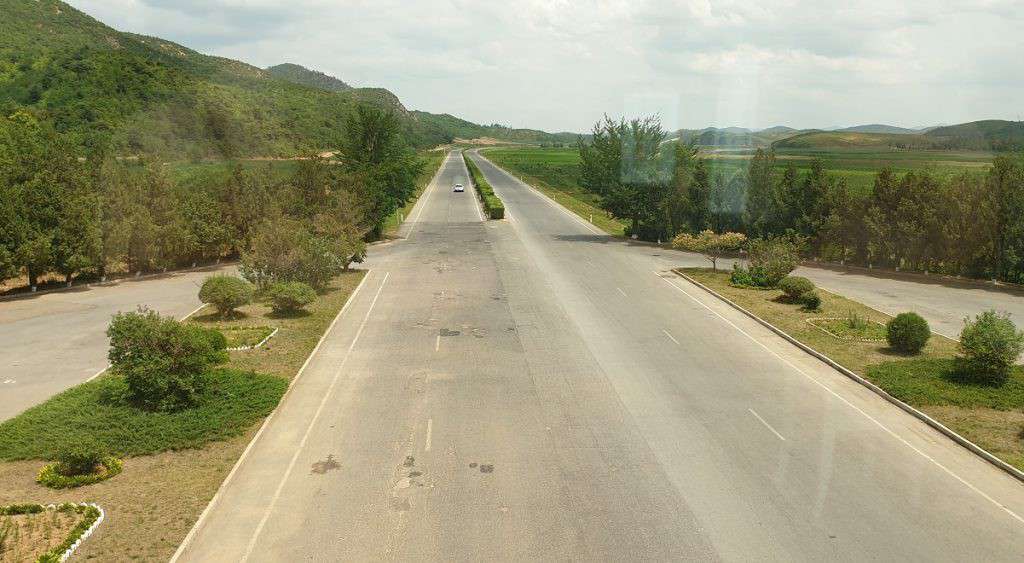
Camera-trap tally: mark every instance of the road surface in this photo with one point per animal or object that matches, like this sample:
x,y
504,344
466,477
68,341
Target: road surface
x,y
57,340
530,389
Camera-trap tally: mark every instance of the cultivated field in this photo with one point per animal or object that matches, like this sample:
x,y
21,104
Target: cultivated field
x,y
557,167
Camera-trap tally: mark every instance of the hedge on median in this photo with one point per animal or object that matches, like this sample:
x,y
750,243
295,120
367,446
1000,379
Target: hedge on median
x,y
492,203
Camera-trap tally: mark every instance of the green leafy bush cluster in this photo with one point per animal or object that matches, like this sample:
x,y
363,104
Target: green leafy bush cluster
x,y
772,259
226,293
288,250
492,203
989,345
289,297
164,362
78,458
795,286
52,475
907,333
811,300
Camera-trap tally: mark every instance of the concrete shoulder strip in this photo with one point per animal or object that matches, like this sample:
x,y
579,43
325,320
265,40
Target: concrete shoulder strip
x,y
976,449
291,385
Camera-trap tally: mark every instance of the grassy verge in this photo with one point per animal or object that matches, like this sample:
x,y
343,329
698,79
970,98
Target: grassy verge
x,y
554,173
156,499
991,417
493,205
433,161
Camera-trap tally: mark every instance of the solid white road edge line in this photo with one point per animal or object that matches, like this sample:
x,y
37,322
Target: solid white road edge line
x,y
670,337
316,416
422,203
848,403
766,425
430,432
291,385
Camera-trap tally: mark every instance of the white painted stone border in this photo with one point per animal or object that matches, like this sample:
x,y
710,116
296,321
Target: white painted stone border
x,y
258,344
975,448
67,553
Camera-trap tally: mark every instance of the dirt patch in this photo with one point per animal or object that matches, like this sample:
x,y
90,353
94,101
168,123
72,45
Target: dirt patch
x,y
25,537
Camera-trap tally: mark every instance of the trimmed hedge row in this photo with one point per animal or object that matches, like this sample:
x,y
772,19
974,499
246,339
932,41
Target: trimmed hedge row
x,y
492,204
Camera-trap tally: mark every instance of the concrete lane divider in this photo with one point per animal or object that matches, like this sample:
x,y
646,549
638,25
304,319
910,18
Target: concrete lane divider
x,y
974,448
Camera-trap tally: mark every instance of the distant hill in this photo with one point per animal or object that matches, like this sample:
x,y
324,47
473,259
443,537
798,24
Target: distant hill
x,y
848,139
459,128
143,94
878,128
777,130
302,75
991,134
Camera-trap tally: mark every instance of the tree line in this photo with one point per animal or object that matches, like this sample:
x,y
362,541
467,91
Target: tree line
x,y
970,224
73,212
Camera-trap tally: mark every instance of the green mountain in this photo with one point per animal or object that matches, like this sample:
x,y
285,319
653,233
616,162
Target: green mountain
x,y
302,75
991,134
853,140
143,94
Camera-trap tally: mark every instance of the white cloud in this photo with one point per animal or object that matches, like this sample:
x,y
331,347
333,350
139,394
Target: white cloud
x,y
561,64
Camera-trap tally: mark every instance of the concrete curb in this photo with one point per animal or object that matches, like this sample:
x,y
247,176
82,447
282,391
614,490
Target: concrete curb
x,y
116,281
976,449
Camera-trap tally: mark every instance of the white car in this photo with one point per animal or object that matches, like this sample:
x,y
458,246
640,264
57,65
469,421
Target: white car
x,y
458,188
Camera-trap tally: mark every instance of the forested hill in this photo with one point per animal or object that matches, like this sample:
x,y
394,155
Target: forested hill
x,y
144,95
302,75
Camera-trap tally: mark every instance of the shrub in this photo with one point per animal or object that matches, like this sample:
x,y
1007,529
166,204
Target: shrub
x,y
79,458
163,362
50,475
226,293
289,297
811,300
741,276
990,346
795,286
286,250
907,333
773,259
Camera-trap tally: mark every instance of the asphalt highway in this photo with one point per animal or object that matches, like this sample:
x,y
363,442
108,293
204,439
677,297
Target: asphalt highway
x,y
531,389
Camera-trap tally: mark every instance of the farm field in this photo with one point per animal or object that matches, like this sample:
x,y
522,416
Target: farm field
x,y
557,167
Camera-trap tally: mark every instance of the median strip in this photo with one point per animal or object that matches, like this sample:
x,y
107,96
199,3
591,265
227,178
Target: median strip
x,y
493,205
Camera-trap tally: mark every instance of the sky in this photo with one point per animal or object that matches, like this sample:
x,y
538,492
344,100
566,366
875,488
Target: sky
x,y
560,65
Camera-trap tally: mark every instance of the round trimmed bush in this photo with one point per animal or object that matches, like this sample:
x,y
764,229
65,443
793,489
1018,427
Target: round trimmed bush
x,y
80,458
226,293
795,286
164,362
811,300
907,333
290,297
990,346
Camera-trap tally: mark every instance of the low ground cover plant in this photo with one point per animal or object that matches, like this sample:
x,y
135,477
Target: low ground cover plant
x,y
989,346
908,333
226,293
163,362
